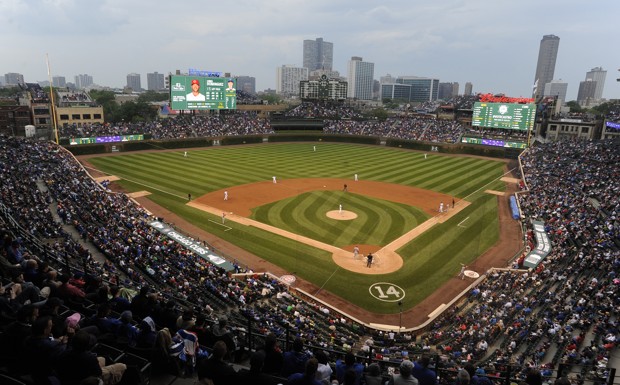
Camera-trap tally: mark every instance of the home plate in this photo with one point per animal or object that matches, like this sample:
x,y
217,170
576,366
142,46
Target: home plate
x,y
471,274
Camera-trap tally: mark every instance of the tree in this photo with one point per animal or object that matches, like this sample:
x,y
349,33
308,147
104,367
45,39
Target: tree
x,y
153,96
9,92
271,98
574,106
106,100
603,108
379,113
136,112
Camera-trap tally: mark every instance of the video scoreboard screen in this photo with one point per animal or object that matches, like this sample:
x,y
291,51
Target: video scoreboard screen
x,y
105,139
509,116
202,93
494,142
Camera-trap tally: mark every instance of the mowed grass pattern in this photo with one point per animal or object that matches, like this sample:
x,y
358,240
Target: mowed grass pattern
x,y
378,221
429,260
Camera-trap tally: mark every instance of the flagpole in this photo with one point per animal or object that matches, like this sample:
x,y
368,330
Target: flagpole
x,y
52,105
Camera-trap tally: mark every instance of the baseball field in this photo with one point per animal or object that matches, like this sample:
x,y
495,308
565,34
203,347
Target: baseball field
x,y
308,223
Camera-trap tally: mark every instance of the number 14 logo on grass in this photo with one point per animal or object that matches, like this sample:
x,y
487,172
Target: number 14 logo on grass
x,y
387,292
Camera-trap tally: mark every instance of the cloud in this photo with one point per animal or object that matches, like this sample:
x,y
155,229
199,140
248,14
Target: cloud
x,y
492,44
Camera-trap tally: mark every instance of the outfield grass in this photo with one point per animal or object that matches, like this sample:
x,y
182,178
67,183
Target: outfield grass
x,y
429,260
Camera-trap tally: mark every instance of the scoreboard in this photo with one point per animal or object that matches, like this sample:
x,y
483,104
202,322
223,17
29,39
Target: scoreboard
x,y
105,139
202,93
511,116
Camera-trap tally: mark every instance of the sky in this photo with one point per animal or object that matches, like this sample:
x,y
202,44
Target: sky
x,y
491,43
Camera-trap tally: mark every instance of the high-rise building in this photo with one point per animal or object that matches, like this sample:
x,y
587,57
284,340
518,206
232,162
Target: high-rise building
x,y
469,89
395,91
247,84
133,82
318,54
155,81
82,81
545,68
597,74
447,90
59,81
360,77
13,79
387,79
587,89
422,89
288,78
556,88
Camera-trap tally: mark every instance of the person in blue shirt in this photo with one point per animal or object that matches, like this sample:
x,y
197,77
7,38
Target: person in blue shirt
x,y
308,376
421,371
295,360
349,364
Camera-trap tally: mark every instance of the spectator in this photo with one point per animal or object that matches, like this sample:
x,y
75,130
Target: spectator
x,y
462,377
307,376
532,377
41,352
274,359
349,363
127,333
214,368
324,370
474,378
422,373
255,375
147,333
404,376
294,361
373,375
78,363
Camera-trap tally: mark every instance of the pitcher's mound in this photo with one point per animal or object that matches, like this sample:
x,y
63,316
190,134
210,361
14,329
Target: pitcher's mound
x,y
343,215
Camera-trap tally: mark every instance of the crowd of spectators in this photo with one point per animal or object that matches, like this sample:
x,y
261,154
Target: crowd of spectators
x,y
564,311
49,176
324,110
246,123
68,97
405,127
37,94
182,126
614,113
497,133
581,116
244,97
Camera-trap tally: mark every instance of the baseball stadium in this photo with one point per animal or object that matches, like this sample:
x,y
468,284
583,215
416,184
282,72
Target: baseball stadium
x,y
429,235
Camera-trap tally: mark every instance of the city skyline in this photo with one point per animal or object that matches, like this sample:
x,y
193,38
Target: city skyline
x,y
492,45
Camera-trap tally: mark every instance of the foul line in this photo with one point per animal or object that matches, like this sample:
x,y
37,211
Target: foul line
x,y
459,225
330,277
221,224
138,183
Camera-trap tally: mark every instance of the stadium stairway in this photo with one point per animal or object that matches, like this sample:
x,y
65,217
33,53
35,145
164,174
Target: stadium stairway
x,y
69,229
